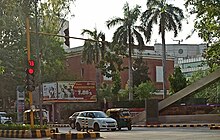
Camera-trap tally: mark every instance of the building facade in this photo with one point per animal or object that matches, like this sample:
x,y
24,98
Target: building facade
x,y
87,72
187,56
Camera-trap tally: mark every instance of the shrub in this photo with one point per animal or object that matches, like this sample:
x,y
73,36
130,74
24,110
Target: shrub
x,y
20,127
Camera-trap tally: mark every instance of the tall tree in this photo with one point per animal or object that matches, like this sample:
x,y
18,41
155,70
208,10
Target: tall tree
x,y
207,25
126,34
13,41
169,18
111,66
93,51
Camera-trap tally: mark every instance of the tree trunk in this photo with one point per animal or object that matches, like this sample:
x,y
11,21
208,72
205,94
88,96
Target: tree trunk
x,y
130,86
164,63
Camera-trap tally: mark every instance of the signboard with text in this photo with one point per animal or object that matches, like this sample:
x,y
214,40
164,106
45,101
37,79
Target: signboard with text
x,y
70,91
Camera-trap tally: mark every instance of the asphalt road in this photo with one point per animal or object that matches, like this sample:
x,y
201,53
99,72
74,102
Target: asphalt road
x,y
142,133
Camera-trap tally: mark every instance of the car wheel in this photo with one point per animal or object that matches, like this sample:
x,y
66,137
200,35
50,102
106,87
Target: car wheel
x,y
96,127
78,127
72,125
129,127
114,129
119,128
8,122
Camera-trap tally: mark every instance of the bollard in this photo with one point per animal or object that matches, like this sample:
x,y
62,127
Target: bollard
x,y
56,131
83,125
86,125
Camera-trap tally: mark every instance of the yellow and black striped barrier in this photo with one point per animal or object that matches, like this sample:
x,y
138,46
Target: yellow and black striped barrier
x,y
15,133
215,127
26,133
175,125
58,125
70,136
41,133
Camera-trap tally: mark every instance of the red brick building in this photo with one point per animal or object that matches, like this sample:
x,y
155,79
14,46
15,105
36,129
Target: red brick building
x,y
87,72
60,111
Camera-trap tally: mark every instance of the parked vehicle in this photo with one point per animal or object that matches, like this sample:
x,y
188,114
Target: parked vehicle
x,y
122,116
95,120
72,119
36,113
4,119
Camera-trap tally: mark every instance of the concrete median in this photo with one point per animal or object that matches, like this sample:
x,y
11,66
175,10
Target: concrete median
x,y
79,135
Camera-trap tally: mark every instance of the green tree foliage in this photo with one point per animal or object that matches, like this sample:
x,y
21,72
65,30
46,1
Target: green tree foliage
x,y
207,18
106,92
197,76
207,25
111,66
177,80
212,55
92,49
168,17
13,42
126,34
210,92
140,71
111,91
144,91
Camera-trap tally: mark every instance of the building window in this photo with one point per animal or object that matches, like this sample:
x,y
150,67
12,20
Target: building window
x,y
159,74
82,72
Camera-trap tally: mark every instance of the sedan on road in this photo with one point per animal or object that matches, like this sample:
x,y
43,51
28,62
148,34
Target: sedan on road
x,y
95,120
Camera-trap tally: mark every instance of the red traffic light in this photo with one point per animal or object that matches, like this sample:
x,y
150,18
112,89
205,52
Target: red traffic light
x,y
31,63
30,71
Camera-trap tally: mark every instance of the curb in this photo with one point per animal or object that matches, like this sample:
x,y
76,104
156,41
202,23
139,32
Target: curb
x,y
41,133
215,127
26,133
15,133
70,136
176,125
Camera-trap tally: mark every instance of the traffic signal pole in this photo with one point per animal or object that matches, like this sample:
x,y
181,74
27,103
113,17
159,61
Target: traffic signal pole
x,y
29,58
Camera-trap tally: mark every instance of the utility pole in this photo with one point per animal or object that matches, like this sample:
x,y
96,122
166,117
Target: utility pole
x,y
38,51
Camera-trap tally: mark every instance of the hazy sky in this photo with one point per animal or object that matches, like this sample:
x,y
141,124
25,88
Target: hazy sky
x,y
94,13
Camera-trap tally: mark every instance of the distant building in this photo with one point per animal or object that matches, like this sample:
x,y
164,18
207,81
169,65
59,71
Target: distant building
x,y
187,56
86,72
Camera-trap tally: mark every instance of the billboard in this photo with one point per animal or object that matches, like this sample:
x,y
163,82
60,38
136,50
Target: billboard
x,y
49,91
70,91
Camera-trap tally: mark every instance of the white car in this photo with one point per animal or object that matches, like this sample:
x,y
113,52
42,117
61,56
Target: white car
x,y
4,119
95,120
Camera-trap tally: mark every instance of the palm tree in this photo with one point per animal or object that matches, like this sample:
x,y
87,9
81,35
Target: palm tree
x,y
93,50
169,18
126,34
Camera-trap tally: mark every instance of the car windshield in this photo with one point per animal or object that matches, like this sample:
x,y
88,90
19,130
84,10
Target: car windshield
x,y
100,115
3,115
125,113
